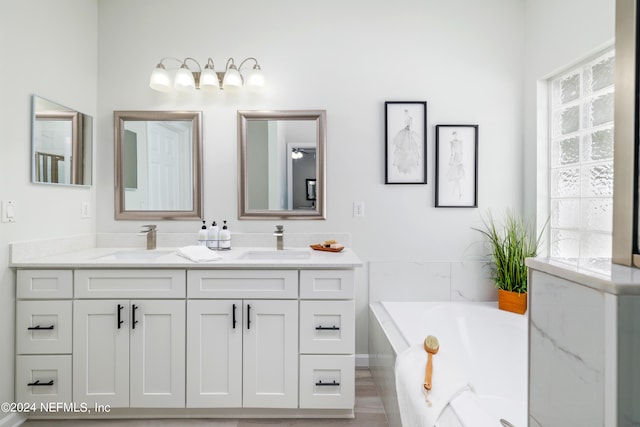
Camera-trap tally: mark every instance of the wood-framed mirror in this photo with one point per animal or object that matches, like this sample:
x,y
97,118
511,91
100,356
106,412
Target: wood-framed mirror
x,y
158,165
280,152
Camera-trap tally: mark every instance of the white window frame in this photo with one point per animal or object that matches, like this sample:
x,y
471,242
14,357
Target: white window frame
x,y
545,150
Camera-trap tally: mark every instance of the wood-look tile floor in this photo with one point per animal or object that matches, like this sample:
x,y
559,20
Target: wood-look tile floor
x,y
368,413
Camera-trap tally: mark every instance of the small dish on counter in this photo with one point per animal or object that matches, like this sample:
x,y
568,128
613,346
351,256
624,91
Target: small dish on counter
x,y
320,247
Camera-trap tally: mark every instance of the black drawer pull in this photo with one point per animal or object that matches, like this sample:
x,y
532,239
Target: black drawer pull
x,y
133,316
40,328
120,321
234,316
331,384
327,328
248,316
38,383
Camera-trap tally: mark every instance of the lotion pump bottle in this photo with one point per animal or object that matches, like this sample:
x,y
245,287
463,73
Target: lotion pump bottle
x,y
214,236
202,234
225,237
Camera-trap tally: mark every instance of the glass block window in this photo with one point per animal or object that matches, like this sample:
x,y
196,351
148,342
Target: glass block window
x,y
581,160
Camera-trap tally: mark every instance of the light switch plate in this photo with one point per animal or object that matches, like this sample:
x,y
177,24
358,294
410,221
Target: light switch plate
x,y
8,211
85,210
358,209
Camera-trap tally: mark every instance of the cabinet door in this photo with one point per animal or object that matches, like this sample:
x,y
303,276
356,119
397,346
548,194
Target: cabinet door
x,y
270,371
101,353
157,361
214,356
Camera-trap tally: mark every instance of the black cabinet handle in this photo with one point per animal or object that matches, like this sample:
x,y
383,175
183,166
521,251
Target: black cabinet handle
x,y
234,316
133,316
120,321
38,383
40,328
332,384
327,328
248,316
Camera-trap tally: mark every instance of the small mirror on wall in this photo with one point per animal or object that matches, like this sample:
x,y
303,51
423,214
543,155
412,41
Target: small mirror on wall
x,y
158,165
62,144
282,164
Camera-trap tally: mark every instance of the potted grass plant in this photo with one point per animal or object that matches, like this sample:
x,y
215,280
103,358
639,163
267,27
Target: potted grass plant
x,y
509,243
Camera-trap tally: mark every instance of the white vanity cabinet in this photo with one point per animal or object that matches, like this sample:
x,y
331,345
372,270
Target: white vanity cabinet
x,y
129,352
213,341
242,352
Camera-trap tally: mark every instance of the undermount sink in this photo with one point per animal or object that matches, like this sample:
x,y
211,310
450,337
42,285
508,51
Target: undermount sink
x,y
274,254
136,254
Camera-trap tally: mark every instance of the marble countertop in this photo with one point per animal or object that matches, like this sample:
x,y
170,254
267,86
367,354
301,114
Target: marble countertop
x,y
166,257
606,277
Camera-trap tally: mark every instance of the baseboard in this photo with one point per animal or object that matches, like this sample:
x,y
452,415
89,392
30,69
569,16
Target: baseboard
x,y
362,361
12,420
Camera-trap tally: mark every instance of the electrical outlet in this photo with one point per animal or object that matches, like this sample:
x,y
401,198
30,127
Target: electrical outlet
x,y
8,211
85,210
358,209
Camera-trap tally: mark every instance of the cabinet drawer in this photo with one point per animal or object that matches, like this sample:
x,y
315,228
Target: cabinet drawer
x,y
327,327
43,327
280,284
327,382
120,284
326,284
42,284
41,379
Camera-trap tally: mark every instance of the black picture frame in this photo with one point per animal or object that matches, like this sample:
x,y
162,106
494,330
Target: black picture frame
x,y
405,125
456,166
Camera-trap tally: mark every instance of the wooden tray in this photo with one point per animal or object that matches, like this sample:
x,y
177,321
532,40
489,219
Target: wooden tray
x,y
319,247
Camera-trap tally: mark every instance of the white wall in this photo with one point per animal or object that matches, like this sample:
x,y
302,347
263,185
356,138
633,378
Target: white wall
x,y
463,57
48,48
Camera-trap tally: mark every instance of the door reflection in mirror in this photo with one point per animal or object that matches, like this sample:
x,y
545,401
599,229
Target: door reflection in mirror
x,y
157,165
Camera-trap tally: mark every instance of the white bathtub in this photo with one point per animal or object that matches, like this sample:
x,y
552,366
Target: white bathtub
x,y
490,346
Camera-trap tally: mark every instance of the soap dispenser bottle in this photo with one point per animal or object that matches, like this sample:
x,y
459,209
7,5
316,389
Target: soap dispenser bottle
x,y
202,234
225,237
213,236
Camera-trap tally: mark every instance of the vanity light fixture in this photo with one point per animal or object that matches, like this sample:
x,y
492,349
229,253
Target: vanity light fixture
x,y
189,79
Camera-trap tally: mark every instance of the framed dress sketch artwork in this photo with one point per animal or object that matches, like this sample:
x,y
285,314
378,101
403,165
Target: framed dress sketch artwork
x,y
456,166
405,142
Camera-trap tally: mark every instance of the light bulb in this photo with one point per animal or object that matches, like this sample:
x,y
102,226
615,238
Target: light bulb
x,y
209,79
184,81
232,78
160,79
255,78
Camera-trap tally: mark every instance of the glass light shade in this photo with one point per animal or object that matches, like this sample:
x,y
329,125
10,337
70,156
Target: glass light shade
x,y
232,79
255,78
160,80
209,80
184,81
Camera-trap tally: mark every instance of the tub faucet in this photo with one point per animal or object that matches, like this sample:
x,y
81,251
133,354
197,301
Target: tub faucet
x,y
151,236
279,233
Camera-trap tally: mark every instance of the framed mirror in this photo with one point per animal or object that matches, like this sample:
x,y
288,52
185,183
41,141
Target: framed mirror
x,y
280,154
61,144
158,165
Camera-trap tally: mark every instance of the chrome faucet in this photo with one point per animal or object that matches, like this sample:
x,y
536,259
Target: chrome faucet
x,y
279,233
151,236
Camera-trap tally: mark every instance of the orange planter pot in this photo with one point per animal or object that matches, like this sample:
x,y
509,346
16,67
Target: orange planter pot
x,y
512,301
